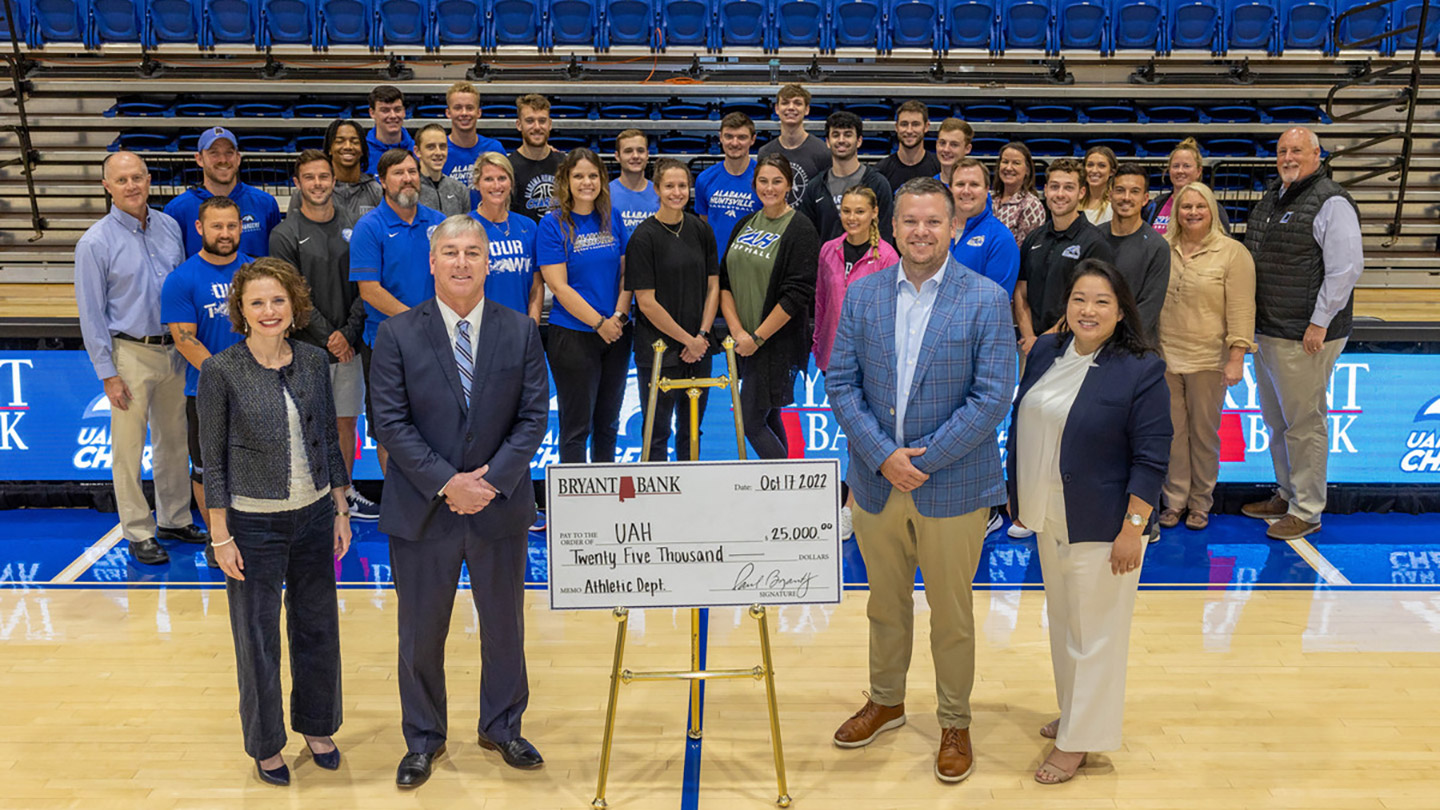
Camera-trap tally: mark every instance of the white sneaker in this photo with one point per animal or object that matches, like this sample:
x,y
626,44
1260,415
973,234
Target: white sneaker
x,y
1019,532
361,507
995,523
847,523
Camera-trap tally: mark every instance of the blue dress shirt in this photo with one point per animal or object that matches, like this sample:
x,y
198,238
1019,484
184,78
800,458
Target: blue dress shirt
x,y
120,269
912,316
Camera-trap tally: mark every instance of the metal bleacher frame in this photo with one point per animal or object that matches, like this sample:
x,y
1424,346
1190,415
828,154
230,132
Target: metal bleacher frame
x,y
1380,114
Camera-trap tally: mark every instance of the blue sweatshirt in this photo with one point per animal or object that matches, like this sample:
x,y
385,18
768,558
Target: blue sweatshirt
x,y
259,214
988,247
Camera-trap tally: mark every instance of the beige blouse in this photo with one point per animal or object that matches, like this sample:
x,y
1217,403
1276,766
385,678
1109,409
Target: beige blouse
x,y
1209,306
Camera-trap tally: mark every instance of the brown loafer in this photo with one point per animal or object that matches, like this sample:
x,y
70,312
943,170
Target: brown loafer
x,y
1169,518
955,760
864,725
1290,528
1272,507
1197,520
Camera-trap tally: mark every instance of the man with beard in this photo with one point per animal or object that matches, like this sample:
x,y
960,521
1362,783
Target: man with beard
x,y
1141,254
536,161
315,239
387,109
195,303
1305,236
218,156
389,253
807,154
820,201
912,121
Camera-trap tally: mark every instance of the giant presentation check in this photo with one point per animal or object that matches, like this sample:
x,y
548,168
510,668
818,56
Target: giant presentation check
x,y
693,534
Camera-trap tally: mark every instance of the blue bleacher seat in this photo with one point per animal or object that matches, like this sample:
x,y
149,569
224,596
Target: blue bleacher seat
x,y
137,107
672,143
1196,25
22,20
1232,180
173,21
873,110
819,111
802,24
939,111
630,110
915,24
567,141
404,22
1361,26
758,109
631,22
1407,13
53,21
1297,114
116,21
876,146
344,22
988,111
570,109
287,22
228,22
317,108
1252,25
1083,25
1122,147
1172,114
984,144
1027,24
518,22
1234,113
1160,146
510,140
459,22
429,110
309,139
858,24
1050,146
1047,113
1138,25
687,23
264,141
145,142
574,22
745,23
201,108
1306,24
1231,147
1108,113
972,24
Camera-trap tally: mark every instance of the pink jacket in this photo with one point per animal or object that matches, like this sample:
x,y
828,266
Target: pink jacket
x,y
830,285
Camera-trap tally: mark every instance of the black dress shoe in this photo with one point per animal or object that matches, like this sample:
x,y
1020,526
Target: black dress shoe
x,y
149,552
277,776
518,753
210,557
415,768
330,760
185,534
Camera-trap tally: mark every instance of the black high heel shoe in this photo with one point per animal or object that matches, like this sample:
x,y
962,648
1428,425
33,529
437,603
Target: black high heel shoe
x,y
330,760
277,776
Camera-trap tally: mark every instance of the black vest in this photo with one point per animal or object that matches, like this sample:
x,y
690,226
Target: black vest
x,y
1289,267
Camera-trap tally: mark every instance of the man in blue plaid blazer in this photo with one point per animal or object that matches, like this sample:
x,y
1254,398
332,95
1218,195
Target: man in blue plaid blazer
x,y
924,466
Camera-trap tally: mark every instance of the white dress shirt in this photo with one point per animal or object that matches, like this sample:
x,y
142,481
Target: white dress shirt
x,y
1041,422
912,317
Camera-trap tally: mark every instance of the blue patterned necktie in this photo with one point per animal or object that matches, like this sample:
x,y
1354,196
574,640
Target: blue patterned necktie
x,y
464,358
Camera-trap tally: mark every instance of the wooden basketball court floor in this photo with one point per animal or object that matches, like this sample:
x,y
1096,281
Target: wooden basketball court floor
x,y
1262,675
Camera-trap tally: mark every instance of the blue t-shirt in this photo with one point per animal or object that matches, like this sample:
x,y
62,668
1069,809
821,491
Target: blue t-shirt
x,y
634,206
724,199
460,163
259,214
376,148
198,292
591,259
512,261
988,247
387,249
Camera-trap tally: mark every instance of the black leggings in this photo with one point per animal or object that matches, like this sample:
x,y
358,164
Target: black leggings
x,y
589,390
763,426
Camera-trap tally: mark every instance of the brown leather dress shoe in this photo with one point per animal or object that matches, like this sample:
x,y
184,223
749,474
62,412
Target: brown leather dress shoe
x,y
864,725
956,759
1169,518
1290,528
1272,507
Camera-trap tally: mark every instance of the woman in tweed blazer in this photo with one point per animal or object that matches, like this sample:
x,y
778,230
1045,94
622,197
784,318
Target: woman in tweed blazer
x,y
275,488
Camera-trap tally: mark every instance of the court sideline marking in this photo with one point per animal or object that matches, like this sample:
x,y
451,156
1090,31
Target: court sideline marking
x,y
89,556
1316,560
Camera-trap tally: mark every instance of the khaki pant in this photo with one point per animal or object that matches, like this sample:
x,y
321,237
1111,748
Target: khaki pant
x,y
947,551
1195,402
155,376
1292,386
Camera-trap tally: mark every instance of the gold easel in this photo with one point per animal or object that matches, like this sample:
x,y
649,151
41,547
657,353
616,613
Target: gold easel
x,y
694,674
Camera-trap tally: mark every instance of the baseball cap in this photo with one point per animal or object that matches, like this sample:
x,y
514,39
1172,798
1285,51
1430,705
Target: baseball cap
x,y
214,134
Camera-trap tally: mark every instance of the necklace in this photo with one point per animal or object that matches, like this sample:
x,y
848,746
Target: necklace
x,y
505,224
675,232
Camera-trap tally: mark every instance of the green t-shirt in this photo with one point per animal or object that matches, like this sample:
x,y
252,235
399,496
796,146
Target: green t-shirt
x,y
750,262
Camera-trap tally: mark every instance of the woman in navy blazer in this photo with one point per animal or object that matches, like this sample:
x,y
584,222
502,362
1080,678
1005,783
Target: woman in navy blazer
x,y
1088,449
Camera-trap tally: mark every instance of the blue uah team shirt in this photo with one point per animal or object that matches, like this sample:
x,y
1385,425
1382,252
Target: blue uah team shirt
x,y
396,253
986,246
198,292
724,199
259,214
634,206
460,163
512,261
591,259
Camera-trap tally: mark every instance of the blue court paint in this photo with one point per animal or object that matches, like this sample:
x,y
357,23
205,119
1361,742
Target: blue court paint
x,y
690,785
37,544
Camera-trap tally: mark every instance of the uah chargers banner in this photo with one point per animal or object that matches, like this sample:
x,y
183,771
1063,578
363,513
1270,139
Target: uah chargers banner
x,y
1384,412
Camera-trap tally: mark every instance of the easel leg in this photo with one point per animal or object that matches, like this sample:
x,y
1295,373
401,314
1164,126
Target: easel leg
x,y
622,617
696,665
758,611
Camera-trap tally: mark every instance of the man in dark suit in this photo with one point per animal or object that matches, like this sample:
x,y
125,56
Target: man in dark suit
x,y
461,399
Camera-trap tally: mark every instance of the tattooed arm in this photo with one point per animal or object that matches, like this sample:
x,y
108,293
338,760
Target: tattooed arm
x,y
190,346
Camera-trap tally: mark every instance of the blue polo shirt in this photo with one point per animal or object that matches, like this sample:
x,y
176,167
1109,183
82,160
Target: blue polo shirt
x,y
396,253
591,258
460,162
512,261
724,199
198,292
634,206
988,247
259,214
377,148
